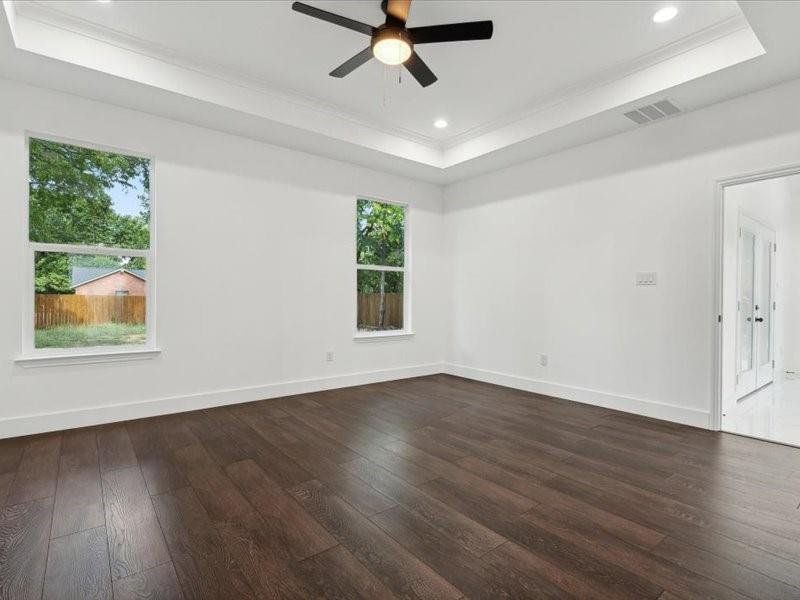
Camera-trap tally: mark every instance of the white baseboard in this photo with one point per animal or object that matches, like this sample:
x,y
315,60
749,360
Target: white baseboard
x,y
83,417
647,408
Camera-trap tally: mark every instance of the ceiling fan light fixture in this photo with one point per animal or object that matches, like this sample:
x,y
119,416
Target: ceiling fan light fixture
x,y
391,46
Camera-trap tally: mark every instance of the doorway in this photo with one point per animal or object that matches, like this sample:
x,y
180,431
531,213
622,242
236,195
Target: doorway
x,y
759,395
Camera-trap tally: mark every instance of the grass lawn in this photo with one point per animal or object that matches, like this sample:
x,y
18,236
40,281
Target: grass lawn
x,y
75,336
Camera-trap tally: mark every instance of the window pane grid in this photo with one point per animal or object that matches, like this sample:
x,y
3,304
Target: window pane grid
x,y
76,249
380,267
85,196
380,233
90,233
380,300
89,300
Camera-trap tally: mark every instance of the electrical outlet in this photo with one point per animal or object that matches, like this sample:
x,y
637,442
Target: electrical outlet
x,y
543,360
329,356
646,278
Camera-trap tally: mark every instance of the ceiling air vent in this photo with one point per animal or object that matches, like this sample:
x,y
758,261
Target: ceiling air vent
x,y
652,112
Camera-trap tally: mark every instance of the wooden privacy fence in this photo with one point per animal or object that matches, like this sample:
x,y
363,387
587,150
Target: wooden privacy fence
x,y
368,308
72,309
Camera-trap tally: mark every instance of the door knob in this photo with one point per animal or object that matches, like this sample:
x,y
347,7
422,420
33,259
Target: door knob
x,y
759,319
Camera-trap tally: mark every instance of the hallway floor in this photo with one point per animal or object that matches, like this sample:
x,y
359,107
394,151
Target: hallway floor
x,y
773,414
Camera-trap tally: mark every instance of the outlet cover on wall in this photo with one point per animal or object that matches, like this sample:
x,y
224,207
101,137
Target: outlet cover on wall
x,y
543,360
646,278
329,356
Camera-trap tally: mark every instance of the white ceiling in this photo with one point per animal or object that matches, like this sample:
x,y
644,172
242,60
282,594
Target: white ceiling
x,y
260,68
538,50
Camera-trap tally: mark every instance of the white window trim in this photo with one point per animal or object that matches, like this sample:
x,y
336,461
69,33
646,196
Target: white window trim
x,y
32,356
407,331
97,356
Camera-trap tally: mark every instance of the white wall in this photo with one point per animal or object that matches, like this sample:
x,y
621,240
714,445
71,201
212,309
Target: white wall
x,y
537,258
544,255
255,271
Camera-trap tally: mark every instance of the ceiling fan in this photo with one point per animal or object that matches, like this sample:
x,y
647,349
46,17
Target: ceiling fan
x,y
393,43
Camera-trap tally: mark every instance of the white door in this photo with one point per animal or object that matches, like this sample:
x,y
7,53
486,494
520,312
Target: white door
x,y
755,306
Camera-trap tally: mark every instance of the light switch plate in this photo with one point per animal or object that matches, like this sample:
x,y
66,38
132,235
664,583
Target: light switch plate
x,y
646,278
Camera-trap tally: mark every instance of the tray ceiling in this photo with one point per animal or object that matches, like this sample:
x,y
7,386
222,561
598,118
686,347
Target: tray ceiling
x,y
549,66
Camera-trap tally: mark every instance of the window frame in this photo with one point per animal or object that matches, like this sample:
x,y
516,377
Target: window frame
x,y
407,330
31,355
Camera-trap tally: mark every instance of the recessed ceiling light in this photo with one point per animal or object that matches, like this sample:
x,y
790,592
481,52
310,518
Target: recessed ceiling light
x,y
104,1
440,123
665,14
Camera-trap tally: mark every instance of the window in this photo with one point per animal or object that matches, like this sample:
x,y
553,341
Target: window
x,y
381,268
89,236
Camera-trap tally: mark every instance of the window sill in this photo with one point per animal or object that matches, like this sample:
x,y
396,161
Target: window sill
x,y
87,358
381,335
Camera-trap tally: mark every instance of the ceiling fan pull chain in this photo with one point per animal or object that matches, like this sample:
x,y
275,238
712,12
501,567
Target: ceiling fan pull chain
x,y
387,74
385,87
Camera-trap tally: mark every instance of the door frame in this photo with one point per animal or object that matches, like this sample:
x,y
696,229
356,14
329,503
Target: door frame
x,y
715,417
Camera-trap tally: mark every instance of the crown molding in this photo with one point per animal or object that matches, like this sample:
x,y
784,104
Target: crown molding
x,y
610,98
11,17
53,49
37,11
618,72
48,15
118,64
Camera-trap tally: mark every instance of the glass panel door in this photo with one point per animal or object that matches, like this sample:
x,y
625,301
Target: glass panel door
x,y
763,320
764,313
747,245
756,291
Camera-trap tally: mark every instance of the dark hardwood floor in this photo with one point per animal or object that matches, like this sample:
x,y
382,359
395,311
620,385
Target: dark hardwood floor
x,y
436,487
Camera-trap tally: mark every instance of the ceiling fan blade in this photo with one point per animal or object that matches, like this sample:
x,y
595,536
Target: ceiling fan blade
x,y
453,32
397,10
417,67
353,63
330,17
